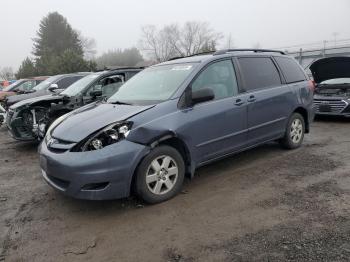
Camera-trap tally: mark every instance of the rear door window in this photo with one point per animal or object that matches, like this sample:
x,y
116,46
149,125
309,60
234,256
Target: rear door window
x,y
291,70
259,73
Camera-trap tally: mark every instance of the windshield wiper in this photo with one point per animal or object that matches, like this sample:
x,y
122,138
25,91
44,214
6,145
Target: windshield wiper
x,y
120,103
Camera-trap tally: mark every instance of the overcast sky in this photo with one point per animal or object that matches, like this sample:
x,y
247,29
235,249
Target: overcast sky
x,y
117,23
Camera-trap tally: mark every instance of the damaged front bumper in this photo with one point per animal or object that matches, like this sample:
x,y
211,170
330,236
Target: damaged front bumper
x,y
94,175
17,128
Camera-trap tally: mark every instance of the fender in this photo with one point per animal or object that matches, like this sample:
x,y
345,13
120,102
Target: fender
x,y
154,137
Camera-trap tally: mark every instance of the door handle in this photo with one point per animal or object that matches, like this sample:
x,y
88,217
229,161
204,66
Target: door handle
x,y
239,102
251,99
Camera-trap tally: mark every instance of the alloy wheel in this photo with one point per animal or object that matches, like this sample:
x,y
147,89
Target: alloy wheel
x,y
296,131
161,175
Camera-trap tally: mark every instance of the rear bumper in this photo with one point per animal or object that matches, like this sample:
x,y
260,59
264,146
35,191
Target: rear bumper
x,y
94,175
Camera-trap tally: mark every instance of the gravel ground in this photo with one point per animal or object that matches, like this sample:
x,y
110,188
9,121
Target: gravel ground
x,y
266,204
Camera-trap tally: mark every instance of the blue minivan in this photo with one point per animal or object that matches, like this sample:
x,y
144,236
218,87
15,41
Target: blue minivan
x,y
174,117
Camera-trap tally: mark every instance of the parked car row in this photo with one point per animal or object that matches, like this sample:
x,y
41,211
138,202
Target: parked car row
x,y
20,87
30,118
108,134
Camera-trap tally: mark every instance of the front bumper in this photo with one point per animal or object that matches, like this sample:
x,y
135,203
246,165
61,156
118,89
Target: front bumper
x,y
94,175
332,106
16,128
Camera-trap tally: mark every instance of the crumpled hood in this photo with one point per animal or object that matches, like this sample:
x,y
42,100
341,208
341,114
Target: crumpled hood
x,y
330,68
33,100
88,119
15,99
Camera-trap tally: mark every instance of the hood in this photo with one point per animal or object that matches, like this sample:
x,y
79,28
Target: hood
x,y
85,121
15,99
33,100
4,94
330,68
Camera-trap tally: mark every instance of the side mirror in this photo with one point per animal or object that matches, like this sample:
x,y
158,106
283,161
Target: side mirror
x,y
202,95
95,93
53,87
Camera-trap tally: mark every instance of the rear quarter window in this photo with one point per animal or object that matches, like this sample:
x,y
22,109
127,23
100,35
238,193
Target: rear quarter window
x,y
259,73
291,70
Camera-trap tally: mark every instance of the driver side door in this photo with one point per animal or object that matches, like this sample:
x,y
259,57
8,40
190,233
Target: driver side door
x,y
219,126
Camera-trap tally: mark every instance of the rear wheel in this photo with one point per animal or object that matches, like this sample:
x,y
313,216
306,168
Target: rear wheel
x,y
160,175
295,131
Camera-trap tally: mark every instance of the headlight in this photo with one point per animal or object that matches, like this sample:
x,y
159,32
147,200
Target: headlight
x,y
105,137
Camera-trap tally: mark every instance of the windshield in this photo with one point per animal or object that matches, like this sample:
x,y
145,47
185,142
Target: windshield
x,y
45,84
80,85
154,84
336,81
13,85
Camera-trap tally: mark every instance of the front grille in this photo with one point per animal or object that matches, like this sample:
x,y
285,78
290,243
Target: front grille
x,y
335,106
58,145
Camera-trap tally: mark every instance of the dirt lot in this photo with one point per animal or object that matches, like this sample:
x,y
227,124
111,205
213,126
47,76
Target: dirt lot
x,y
266,204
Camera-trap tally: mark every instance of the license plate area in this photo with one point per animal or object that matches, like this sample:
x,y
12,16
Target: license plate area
x,y
325,108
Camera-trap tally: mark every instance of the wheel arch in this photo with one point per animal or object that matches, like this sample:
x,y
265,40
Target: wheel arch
x,y
170,139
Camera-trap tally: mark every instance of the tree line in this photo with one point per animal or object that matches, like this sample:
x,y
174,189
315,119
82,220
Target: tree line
x,y
58,48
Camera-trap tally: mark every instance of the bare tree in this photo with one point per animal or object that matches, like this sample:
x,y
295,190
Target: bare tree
x,y
173,40
6,73
89,46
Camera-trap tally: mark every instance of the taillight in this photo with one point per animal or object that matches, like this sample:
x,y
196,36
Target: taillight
x,y
312,85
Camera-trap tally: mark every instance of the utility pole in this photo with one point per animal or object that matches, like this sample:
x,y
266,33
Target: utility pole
x,y
335,34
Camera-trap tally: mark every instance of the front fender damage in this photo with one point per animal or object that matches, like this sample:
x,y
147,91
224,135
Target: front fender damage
x,y
152,137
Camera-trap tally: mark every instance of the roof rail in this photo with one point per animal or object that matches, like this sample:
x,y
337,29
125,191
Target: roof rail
x,y
112,68
197,54
224,51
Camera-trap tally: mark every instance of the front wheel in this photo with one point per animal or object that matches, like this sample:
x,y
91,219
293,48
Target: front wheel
x,y
295,131
160,175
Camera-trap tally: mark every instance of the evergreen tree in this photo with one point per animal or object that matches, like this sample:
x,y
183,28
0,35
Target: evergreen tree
x,y
69,61
55,35
57,44
27,69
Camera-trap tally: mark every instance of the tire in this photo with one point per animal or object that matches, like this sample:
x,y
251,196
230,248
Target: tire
x,y
164,180
295,131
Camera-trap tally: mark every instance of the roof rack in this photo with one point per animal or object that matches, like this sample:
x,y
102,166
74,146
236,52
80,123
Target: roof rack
x,y
224,51
123,67
198,54
106,68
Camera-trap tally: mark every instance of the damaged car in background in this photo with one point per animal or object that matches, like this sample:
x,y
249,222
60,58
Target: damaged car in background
x,y
29,119
332,93
51,85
